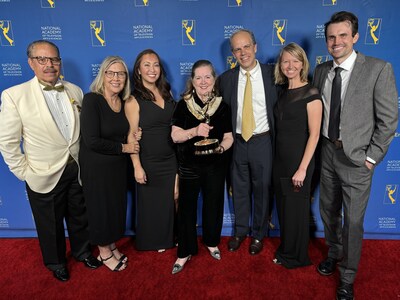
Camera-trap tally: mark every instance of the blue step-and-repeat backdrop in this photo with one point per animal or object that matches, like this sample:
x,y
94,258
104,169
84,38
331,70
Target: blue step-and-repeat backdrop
x,y
183,31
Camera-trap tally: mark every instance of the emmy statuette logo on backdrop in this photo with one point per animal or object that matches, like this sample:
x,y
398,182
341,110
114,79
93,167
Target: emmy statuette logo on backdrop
x,y
235,3
321,59
373,31
279,28
188,32
6,34
231,62
391,194
97,33
48,3
142,3
329,2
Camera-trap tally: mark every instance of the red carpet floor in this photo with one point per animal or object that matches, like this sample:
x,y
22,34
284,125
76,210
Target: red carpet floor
x,y
237,276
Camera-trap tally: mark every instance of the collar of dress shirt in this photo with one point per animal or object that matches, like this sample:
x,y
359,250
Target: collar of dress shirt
x,y
348,63
253,72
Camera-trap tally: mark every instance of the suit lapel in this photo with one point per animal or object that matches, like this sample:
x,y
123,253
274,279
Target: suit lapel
x,y
267,92
356,75
324,76
75,124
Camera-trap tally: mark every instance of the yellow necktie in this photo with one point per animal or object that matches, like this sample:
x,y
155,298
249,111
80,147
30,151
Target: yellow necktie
x,y
248,122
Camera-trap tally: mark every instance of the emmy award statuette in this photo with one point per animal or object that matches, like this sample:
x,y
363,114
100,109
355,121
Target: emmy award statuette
x,y
206,146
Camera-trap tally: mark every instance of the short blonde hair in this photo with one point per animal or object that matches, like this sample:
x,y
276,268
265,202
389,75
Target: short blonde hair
x,y
298,52
97,85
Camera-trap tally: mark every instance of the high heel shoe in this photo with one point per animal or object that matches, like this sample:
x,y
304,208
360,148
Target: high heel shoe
x,y
117,268
215,254
177,267
122,258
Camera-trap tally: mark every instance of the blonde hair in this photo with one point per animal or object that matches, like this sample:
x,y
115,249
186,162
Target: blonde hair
x,y
97,85
299,53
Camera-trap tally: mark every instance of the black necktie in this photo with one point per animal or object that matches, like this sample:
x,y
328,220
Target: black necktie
x,y
334,115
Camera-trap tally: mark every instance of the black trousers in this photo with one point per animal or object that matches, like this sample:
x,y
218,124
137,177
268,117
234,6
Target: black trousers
x,y
49,210
210,180
252,185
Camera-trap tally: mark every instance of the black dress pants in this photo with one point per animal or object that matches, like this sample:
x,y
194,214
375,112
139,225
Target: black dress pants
x,y
210,181
49,210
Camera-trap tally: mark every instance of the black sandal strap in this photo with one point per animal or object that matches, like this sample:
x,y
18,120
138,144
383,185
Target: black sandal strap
x,y
105,259
120,264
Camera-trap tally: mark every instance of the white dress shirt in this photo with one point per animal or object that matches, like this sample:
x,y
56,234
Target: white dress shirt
x,y
347,66
258,97
61,111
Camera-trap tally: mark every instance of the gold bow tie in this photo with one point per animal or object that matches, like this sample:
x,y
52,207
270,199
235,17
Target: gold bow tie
x,y
58,88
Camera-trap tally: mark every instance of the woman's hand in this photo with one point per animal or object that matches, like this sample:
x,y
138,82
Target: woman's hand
x,y
138,134
203,129
220,149
298,178
140,175
131,148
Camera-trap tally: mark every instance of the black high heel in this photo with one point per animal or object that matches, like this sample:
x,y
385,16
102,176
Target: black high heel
x,y
123,257
117,267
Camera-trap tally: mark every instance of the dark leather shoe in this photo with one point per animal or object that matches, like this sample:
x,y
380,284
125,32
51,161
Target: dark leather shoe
x,y
235,242
61,274
92,262
345,292
255,246
327,266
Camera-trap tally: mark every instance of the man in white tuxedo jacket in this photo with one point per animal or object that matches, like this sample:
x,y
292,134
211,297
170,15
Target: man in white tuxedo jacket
x,y
44,113
352,144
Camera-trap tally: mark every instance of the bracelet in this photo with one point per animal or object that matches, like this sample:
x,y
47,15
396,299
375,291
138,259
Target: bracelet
x,y
189,136
222,149
122,150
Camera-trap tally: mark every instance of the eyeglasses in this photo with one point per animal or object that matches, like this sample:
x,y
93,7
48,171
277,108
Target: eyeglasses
x,y
43,60
111,74
245,48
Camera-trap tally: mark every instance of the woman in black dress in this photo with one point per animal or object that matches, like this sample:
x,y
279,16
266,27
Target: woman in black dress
x,y
298,114
155,166
205,173
103,158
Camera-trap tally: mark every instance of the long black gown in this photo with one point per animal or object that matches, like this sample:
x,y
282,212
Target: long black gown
x,y
103,168
293,207
155,199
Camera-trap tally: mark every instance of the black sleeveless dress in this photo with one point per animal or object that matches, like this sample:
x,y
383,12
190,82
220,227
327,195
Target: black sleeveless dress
x,y
293,206
155,199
